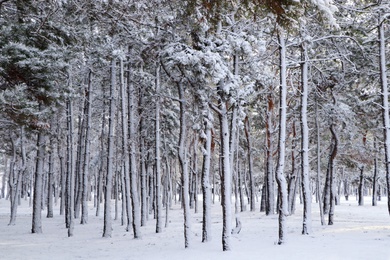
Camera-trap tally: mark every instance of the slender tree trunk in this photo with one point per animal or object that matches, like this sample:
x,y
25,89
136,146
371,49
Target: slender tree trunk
x,y
107,228
50,184
305,167
38,183
15,178
332,186
184,167
133,162
70,178
4,178
361,187
250,164
206,187
102,161
143,154
280,178
225,170
85,176
158,195
374,178
293,176
270,175
79,162
385,104
318,179
125,149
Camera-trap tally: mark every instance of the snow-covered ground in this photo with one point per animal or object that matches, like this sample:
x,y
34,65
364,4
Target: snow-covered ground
x,y
358,233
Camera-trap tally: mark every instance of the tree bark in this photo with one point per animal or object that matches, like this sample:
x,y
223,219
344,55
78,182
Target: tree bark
x,y
305,167
225,170
184,167
70,178
374,178
280,178
38,183
125,149
85,176
361,187
206,187
158,195
385,103
270,175
133,162
250,164
107,228
332,186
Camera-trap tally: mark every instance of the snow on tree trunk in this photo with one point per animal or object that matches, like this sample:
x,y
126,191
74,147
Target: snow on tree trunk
x,y
50,181
125,149
143,155
270,175
38,182
15,179
280,178
375,175
332,184
225,171
70,178
305,167
184,167
250,164
385,104
206,188
102,161
85,182
107,228
133,162
318,179
157,179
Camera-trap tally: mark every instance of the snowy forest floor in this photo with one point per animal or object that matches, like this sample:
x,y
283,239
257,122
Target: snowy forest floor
x,y
359,232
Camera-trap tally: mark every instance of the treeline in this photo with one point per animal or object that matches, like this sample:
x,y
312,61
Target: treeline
x,y
135,105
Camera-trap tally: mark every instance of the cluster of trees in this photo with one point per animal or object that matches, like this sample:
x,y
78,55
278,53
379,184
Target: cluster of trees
x,y
143,103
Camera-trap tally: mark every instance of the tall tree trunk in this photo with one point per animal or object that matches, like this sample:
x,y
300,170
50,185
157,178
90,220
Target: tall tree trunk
x,y
133,162
375,176
270,175
280,178
318,179
50,181
85,176
38,183
15,178
107,228
184,167
293,176
158,195
305,167
225,169
206,187
143,155
79,161
332,185
70,177
250,164
125,149
385,103
101,170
